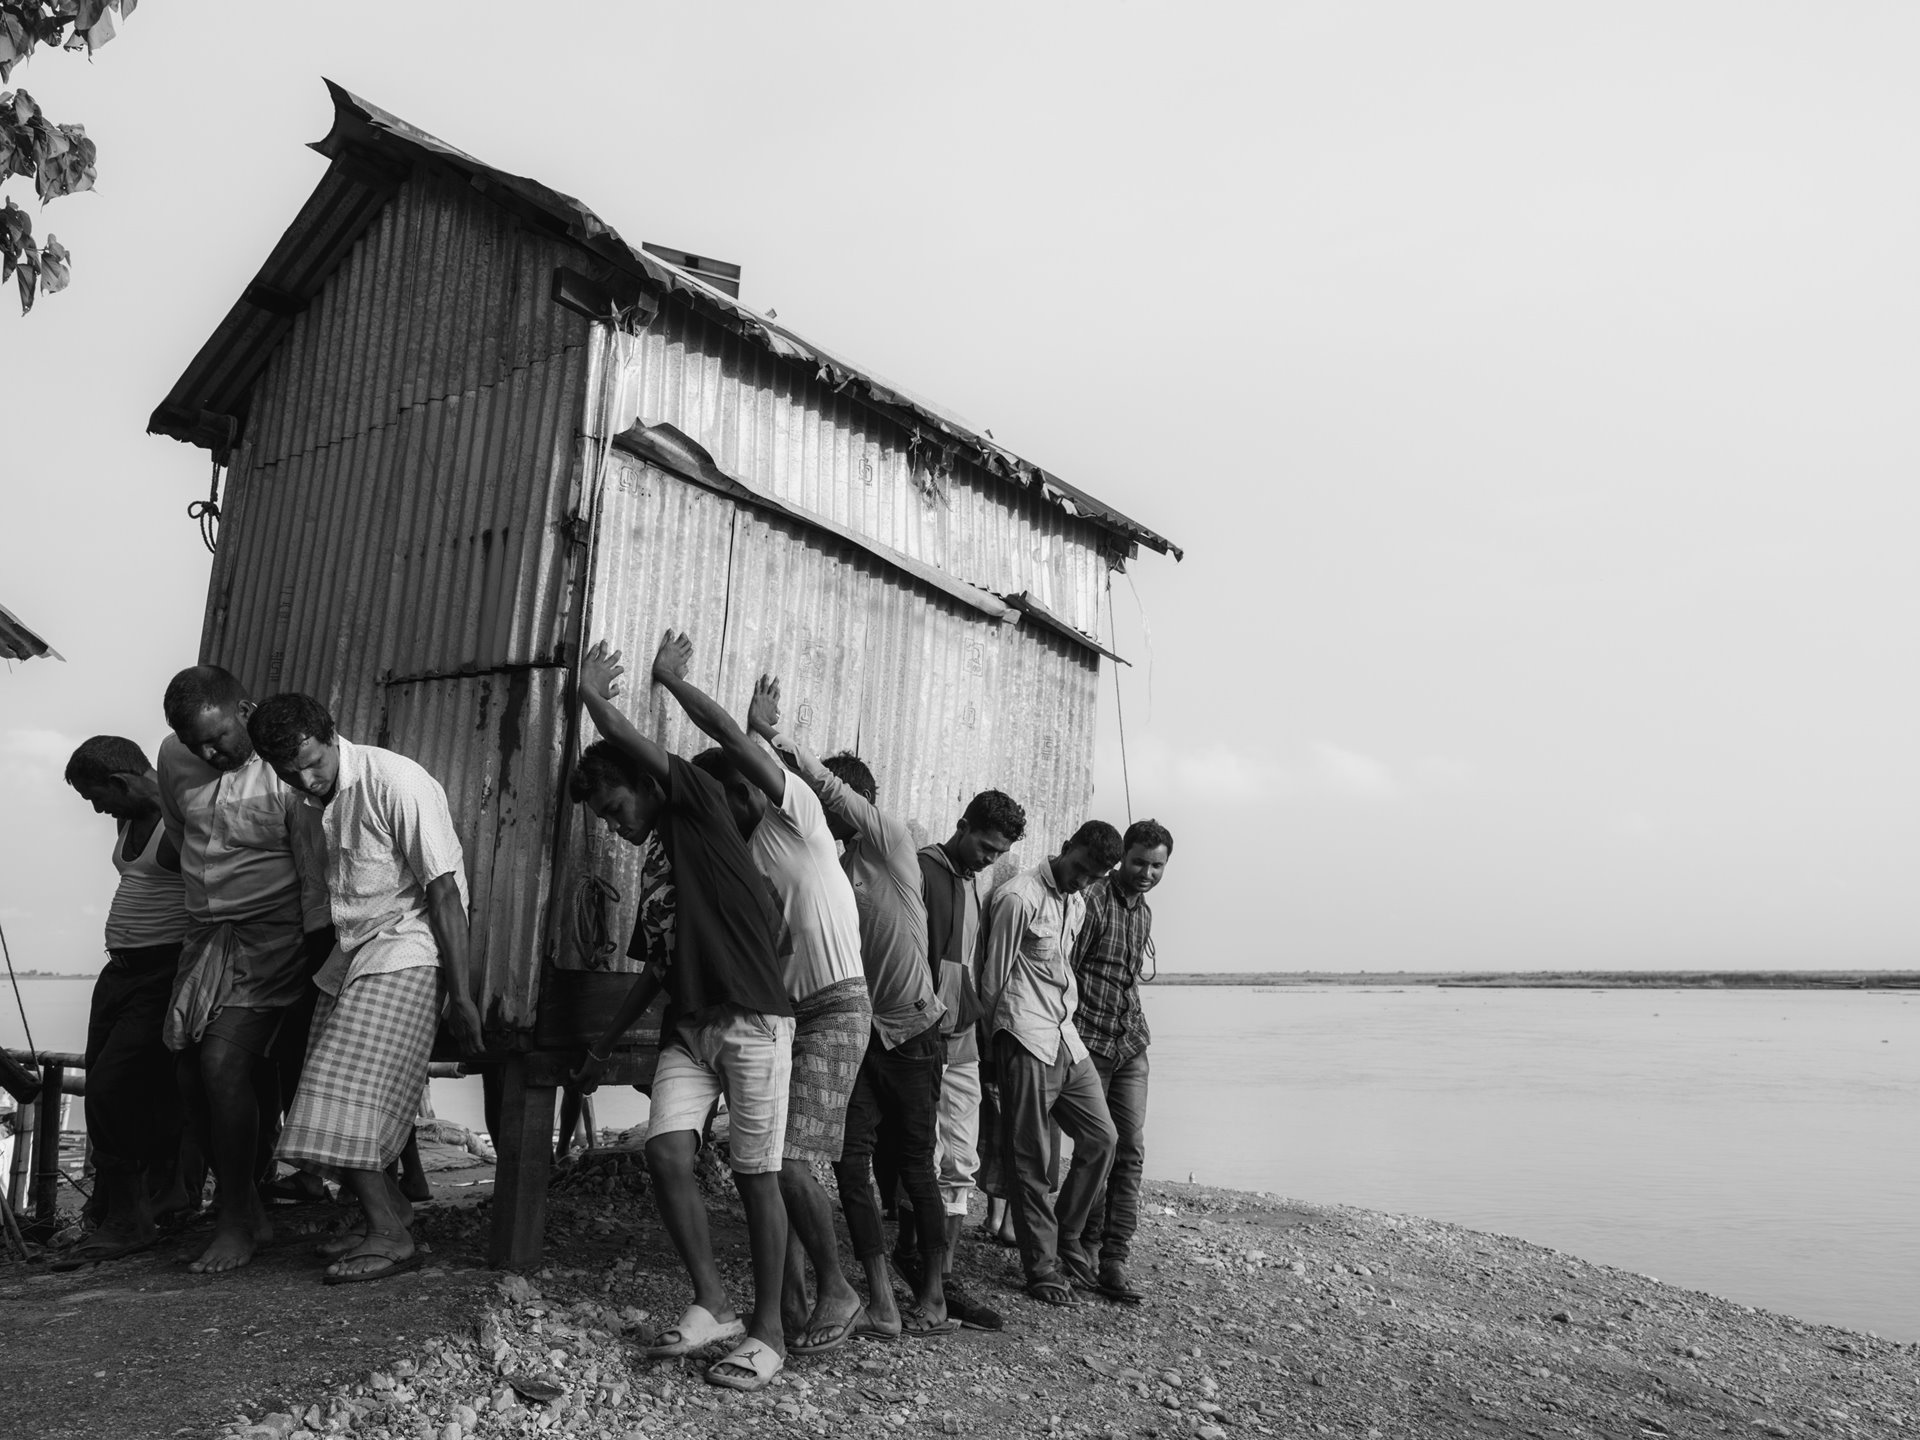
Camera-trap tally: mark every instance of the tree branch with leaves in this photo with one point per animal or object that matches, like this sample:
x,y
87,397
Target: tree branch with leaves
x,y
58,158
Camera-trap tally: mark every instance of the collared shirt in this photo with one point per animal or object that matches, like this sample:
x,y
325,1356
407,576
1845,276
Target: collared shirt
x,y
1026,981
1108,956
795,850
956,917
884,870
389,834
252,871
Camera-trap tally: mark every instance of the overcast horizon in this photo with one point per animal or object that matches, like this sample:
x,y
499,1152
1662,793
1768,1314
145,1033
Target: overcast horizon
x,y
1531,392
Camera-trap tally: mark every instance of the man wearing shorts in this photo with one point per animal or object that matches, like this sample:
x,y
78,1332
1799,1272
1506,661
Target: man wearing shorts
x,y
258,925
786,833
898,1084
727,1030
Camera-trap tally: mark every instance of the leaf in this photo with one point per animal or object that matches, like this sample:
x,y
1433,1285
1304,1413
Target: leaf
x,y
25,109
26,273
100,32
56,267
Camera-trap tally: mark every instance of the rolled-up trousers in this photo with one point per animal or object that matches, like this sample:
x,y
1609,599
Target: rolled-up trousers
x,y
1032,1092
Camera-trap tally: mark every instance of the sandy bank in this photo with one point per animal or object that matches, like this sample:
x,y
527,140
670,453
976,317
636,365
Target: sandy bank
x,y
1266,1318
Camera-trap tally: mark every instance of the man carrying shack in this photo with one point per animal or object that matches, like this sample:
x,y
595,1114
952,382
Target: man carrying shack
x,y
899,1079
1027,988
397,884
956,879
257,926
1113,947
133,1101
727,1030
786,833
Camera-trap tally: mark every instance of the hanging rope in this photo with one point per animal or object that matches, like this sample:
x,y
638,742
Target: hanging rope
x,y
1126,780
31,1047
207,511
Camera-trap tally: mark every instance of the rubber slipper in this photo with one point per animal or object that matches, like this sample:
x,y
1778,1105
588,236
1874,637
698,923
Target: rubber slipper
x,y
838,1334
865,1329
394,1266
1115,1285
1052,1291
971,1314
916,1324
88,1253
759,1359
696,1330
1077,1270
339,1245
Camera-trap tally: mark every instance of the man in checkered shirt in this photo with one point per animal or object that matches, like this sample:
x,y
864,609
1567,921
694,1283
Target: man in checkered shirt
x,y
1113,947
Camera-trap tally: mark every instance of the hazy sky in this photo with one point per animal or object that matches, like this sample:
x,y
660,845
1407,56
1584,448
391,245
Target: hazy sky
x,y
1532,391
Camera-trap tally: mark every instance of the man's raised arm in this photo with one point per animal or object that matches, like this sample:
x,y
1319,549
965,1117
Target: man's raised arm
x,y
600,672
757,764
836,797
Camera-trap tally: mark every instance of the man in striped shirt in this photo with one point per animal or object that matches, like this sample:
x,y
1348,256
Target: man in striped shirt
x,y
1114,945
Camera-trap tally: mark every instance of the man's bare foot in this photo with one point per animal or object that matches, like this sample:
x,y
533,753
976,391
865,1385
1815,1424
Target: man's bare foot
x,y
831,1323
232,1247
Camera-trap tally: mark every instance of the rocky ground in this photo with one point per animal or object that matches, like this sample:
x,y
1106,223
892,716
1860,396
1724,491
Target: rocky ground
x,y
1265,1318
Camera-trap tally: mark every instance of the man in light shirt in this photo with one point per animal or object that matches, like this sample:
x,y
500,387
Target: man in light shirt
x,y
133,1101
398,888
898,1084
1028,991
257,926
786,833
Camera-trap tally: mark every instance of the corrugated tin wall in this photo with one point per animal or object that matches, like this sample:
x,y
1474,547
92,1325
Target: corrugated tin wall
x,y
769,424
396,511
940,700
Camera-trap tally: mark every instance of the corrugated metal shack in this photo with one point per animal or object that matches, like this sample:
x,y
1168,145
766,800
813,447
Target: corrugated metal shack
x,y
465,425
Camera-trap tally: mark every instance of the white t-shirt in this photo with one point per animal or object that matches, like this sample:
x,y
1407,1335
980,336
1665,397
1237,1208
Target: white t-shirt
x,y
796,852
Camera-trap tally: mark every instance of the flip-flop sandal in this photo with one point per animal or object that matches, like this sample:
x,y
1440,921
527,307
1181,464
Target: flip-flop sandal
x,y
1052,1292
87,1253
1121,1294
387,1271
840,1332
971,1314
916,1324
759,1359
865,1329
339,1245
697,1329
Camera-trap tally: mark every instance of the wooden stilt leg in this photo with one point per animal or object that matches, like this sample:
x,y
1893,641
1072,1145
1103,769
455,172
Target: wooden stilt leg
x,y
525,1141
46,1150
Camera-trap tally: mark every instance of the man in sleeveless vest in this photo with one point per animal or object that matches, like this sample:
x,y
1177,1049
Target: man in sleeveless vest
x,y
133,1104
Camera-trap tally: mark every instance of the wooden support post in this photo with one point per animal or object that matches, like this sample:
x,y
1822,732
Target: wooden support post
x,y
46,1148
525,1140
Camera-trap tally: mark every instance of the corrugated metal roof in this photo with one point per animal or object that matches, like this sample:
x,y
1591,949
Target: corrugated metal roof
x,y
372,150
17,642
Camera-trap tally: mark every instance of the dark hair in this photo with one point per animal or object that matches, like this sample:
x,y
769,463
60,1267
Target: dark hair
x,y
282,722
996,810
1151,834
101,758
851,771
716,764
1101,842
605,766
197,688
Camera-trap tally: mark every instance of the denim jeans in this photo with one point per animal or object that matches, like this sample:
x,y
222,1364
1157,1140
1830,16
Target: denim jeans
x,y
1116,1210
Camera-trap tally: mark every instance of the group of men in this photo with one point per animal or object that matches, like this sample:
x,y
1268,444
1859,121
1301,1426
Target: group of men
x,y
289,927
857,999
291,931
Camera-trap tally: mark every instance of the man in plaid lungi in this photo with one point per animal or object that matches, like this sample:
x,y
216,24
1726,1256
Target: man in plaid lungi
x,y
398,891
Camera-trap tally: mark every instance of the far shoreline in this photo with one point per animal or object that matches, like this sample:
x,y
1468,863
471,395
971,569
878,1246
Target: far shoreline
x,y
1560,979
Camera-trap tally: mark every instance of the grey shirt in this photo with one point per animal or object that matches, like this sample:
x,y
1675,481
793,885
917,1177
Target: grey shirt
x,y
883,864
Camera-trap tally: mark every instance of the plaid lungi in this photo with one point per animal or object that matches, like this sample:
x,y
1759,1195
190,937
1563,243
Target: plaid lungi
x,y
366,1065
830,1030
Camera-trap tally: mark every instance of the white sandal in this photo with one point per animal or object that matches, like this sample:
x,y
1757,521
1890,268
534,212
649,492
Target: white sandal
x,y
697,1329
757,1357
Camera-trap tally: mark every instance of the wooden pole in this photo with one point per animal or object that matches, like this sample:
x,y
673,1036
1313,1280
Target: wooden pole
x,y
526,1163
46,1148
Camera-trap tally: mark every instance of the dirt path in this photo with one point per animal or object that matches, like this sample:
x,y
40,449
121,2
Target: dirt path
x,y
1265,1318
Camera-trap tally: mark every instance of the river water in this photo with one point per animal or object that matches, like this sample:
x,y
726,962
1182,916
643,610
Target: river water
x,y
1756,1144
